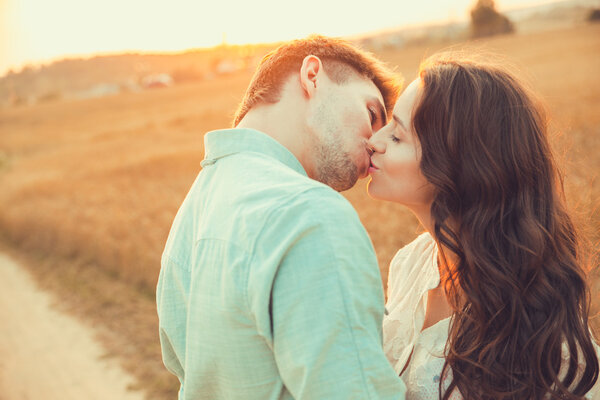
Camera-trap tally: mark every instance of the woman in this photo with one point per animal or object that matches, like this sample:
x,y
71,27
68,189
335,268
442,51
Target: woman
x,y
491,302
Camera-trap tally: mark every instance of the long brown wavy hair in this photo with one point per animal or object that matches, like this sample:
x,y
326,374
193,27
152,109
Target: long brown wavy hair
x,y
518,288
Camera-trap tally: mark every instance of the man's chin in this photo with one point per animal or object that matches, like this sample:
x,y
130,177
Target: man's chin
x,y
342,187
342,177
347,184
363,172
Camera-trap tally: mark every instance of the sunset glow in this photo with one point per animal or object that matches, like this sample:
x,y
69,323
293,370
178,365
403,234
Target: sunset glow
x,y
34,31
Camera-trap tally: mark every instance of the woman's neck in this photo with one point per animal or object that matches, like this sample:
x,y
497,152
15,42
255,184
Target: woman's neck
x,y
447,259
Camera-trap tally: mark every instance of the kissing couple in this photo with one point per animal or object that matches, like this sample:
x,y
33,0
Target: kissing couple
x,y
269,285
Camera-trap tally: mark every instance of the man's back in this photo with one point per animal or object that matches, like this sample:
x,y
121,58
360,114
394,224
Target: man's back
x,y
269,287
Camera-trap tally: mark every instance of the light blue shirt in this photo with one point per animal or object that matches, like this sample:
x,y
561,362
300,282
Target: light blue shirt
x,y
269,286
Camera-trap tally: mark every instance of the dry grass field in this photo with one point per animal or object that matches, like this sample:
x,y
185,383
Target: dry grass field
x,y
90,187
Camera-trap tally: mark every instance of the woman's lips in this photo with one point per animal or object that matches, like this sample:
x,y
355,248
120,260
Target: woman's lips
x,y
372,168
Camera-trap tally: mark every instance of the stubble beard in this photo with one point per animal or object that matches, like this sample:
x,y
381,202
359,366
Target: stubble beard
x,y
332,161
334,165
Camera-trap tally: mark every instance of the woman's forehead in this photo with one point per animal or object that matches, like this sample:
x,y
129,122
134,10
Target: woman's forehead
x,y
406,101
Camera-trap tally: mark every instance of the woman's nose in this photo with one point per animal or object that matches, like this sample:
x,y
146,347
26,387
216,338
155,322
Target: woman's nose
x,y
375,143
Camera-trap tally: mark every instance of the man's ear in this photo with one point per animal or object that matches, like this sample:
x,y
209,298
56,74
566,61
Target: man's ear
x,y
309,73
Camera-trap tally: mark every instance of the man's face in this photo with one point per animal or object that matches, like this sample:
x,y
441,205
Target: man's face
x,y
343,118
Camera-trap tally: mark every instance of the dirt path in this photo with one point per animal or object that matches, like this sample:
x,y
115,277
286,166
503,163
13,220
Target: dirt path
x,y
46,354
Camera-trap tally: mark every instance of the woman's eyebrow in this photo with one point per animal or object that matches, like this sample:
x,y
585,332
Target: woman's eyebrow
x,y
399,121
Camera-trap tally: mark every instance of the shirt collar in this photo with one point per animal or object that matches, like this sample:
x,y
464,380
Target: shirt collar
x,y
225,142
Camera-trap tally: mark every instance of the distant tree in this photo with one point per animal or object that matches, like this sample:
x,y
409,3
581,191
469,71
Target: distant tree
x,y
486,21
594,15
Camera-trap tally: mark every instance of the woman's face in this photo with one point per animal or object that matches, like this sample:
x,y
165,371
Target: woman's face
x,y
395,172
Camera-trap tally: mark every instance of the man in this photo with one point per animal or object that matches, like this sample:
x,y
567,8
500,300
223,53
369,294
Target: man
x,y
269,286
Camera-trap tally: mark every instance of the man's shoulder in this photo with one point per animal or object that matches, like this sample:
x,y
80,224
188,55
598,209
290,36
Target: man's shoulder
x,y
315,198
290,189
319,212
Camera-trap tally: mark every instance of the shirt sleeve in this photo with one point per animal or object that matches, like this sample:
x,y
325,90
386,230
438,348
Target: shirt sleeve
x,y
325,304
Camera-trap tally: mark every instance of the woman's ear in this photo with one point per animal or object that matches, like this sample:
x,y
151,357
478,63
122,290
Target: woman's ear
x,y
309,74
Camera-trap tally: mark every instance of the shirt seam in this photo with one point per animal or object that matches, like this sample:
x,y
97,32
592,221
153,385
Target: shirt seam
x,y
247,272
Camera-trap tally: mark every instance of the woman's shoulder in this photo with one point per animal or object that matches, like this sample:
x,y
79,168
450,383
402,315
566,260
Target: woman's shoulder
x,y
413,268
422,245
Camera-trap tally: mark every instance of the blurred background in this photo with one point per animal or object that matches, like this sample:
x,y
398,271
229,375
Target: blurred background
x,y
103,108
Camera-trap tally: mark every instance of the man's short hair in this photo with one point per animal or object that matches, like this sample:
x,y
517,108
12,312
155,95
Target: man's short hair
x,y
341,61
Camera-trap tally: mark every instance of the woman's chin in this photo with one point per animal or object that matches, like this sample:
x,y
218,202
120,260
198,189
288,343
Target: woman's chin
x,y
372,190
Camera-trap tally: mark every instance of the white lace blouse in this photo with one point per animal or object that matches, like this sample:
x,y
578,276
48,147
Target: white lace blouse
x,y
413,272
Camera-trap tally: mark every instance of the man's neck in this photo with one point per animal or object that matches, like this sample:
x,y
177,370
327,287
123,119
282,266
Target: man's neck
x,y
281,126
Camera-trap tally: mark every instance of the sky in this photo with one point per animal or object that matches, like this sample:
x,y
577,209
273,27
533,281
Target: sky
x,y
38,31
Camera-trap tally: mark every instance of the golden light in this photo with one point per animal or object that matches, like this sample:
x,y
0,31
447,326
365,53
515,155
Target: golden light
x,y
39,30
